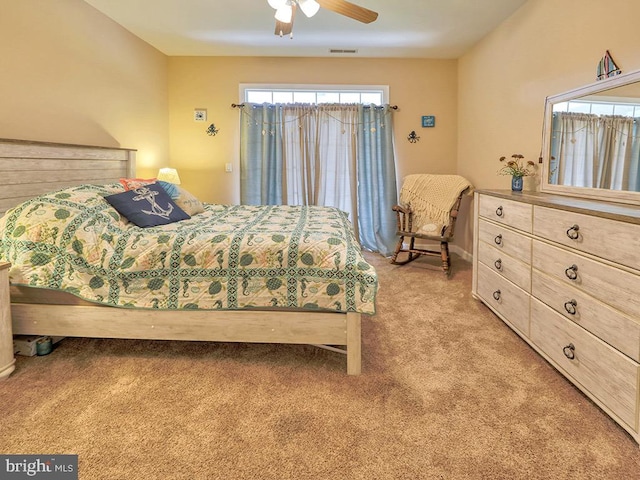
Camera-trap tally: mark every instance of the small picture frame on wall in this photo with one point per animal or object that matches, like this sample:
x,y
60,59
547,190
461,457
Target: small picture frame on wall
x,y
428,121
200,115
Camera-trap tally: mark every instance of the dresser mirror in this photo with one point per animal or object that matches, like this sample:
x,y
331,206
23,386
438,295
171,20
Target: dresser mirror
x,y
591,145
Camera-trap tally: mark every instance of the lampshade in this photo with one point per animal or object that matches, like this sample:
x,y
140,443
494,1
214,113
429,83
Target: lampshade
x,y
309,7
169,175
284,14
276,3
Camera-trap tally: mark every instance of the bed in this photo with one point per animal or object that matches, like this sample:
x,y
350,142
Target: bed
x,y
268,274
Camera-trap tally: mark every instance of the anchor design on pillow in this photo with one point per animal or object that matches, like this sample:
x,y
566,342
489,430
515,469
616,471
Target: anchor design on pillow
x,y
149,195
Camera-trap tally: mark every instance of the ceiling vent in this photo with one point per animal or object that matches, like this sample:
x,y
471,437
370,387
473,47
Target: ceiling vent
x,y
342,50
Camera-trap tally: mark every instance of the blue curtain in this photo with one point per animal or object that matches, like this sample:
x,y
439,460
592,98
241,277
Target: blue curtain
x,y
262,134
261,166
377,190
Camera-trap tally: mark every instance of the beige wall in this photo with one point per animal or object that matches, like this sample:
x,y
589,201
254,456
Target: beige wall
x,y
545,48
419,87
69,74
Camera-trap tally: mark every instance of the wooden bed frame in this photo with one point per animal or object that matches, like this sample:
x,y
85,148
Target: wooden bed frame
x,y
30,168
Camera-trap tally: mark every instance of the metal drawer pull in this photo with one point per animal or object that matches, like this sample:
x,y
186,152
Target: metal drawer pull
x,y
569,351
496,295
572,233
570,307
498,239
572,272
499,211
498,264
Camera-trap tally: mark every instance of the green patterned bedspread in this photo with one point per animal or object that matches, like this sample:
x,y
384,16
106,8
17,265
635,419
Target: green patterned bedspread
x,y
229,257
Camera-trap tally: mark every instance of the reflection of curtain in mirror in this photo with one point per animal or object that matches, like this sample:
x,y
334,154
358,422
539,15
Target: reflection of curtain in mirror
x,y
574,149
594,151
634,167
614,140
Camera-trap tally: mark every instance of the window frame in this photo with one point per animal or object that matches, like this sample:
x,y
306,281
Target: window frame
x,y
315,88
567,106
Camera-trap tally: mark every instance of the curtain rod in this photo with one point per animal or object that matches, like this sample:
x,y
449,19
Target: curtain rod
x,y
240,105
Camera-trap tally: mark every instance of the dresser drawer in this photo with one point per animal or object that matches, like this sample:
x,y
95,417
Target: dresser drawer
x,y
605,238
598,368
615,328
509,267
511,302
608,284
506,240
515,214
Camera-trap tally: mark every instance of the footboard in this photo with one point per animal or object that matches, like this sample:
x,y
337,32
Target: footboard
x,y
253,326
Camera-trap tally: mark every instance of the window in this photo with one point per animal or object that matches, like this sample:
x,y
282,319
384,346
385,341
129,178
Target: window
x,y
314,94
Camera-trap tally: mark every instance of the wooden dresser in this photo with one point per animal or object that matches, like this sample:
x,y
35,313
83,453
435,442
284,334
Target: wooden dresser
x,y
564,274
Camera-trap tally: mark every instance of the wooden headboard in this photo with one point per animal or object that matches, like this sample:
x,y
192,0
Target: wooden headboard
x,y
31,168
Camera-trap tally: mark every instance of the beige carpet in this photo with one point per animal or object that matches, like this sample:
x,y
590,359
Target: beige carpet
x,y
447,392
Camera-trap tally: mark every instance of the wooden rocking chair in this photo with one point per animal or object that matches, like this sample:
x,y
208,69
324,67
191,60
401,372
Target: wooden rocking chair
x,y
428,210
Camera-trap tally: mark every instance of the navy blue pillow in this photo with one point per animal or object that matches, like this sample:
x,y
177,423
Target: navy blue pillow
x,y
147,206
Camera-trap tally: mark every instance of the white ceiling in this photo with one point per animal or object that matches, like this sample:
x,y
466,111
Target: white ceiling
x,y
404,28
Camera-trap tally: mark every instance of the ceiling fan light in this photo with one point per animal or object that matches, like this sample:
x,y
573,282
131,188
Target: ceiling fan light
x,y
309,7
276,4
284,14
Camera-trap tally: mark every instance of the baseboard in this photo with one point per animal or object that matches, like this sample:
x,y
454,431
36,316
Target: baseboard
x,y
466,256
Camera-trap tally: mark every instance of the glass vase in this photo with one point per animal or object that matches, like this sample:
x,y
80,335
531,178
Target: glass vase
x,y
516,183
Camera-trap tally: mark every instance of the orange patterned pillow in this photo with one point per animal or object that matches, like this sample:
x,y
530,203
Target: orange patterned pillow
x,y
133,183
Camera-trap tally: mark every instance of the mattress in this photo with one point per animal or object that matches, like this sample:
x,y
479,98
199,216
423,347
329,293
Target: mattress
x,y
228,257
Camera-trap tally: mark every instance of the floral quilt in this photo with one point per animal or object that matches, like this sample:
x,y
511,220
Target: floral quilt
x,y
228,257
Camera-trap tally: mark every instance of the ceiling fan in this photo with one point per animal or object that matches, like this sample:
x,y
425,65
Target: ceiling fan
x,y
286,11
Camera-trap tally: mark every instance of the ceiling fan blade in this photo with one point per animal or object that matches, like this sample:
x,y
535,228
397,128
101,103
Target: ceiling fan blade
x,y
349,9
286,28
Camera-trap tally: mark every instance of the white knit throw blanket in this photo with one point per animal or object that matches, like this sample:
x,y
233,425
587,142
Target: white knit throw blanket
x,y
431,197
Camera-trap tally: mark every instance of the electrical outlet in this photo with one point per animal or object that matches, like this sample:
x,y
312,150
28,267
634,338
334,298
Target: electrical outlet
x,y
228,167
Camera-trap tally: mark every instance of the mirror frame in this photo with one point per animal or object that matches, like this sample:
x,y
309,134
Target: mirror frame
x,y
618,196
